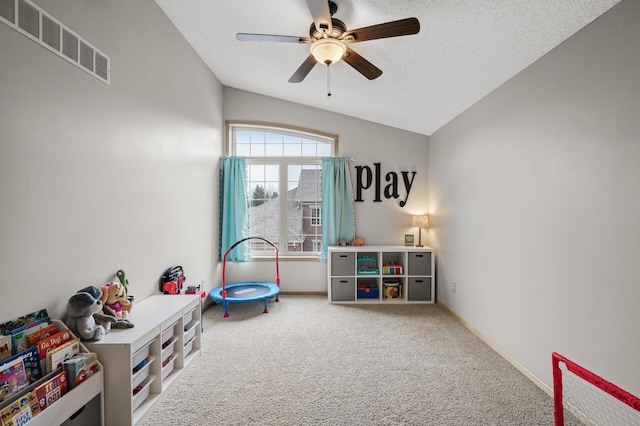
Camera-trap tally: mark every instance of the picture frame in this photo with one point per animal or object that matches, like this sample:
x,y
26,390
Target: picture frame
x,y
409,240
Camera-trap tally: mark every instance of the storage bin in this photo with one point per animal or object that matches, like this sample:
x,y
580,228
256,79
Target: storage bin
x,y
139,376
168,333
139,397
188,317
343,289
188,347
188,335
419,289
139,356
343,264
419,263
167,369
167,349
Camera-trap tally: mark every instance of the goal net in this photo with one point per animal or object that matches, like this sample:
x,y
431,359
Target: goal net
x,y
589,397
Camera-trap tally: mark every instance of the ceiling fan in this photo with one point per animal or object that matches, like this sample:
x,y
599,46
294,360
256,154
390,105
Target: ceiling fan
x,y
330,40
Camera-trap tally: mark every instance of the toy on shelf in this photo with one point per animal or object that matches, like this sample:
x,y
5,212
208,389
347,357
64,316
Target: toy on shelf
x,y
357,242
368,290
367,265
393,269
83,314
116,298
172,280
125,282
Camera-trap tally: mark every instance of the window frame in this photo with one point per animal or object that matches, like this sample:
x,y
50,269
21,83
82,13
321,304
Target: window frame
x,y
282,161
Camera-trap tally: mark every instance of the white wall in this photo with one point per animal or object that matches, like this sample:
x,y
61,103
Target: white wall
x,y
382,222
96,177
535,198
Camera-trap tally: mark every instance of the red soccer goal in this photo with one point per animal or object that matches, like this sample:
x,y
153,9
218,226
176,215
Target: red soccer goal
x,y
590,397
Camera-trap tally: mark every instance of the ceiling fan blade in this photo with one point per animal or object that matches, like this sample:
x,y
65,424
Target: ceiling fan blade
x,y
304,69
361,65
402,27
272,37
321,14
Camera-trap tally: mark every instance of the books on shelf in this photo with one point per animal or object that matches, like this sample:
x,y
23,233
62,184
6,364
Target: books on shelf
x,y
49,343
19,335
80,367
13,377
5,347
52,389
35,336
57,356
20,322
20,411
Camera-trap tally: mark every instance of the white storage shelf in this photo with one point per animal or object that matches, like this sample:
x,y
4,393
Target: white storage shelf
x,y
381,274
158,335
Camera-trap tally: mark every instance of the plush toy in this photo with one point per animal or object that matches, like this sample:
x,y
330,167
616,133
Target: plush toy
x,y
116,298
106,310
125,282
81,308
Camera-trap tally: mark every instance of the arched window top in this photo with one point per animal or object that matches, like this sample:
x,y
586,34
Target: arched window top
x,y
266,140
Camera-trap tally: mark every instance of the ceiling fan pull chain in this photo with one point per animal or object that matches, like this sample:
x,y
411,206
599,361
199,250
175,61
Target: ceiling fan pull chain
x,y
328,82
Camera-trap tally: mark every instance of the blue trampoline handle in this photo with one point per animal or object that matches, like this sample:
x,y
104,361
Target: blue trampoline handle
x,y
224,262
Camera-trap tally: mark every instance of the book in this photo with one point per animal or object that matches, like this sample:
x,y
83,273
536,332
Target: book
x,y
20,322
19,336
57,356
52,342
13,377
51,390
31,364
5,347
80,367
20,411
34,337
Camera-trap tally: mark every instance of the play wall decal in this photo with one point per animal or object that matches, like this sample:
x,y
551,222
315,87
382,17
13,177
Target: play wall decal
x,y
365,177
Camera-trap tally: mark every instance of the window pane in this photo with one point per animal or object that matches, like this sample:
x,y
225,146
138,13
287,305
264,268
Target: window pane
x,y
291,150
264,206
292,223
303,197
324,150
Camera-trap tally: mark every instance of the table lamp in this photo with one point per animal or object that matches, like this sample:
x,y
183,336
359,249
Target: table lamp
x,y
421,221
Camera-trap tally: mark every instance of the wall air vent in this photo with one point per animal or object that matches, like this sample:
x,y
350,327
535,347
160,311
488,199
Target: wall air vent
x,y
33,22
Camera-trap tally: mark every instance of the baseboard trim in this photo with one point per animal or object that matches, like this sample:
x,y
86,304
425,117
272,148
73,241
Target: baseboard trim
x,y
304,293
542,385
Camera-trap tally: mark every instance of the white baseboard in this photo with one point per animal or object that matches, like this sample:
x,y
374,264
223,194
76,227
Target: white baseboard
x,y
542,385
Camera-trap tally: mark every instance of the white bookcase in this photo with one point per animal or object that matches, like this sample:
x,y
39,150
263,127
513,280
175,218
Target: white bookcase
x,y
59,412
381,274
167,334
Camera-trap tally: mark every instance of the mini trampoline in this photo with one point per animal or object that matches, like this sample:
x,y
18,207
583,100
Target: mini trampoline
x,y
247,291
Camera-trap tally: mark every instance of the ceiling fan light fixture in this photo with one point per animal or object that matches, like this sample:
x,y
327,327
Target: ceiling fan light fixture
x,y
328,50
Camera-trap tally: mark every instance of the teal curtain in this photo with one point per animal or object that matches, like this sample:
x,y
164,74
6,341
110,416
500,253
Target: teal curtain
x,y
337,203
234,224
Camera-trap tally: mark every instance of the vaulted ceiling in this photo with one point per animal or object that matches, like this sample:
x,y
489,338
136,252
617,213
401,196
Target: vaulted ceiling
x,y
465,49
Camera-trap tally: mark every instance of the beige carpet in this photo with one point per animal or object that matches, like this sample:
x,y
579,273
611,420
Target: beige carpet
x,y
308,362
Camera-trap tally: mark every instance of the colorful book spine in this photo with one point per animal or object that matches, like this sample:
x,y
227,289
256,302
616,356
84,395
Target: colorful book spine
x,y
20,411
80,368
51,390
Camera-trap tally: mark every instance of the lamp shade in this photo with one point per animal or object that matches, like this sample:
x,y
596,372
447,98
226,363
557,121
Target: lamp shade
x,y
328,50
421,221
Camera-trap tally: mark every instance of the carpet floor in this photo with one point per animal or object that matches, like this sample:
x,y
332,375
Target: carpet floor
x,y
309,362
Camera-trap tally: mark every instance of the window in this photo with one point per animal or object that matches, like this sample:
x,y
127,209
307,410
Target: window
x,y
284,185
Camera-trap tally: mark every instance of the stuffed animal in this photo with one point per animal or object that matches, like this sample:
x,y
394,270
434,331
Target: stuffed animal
x,y
116,298
81,308
108,311
120,275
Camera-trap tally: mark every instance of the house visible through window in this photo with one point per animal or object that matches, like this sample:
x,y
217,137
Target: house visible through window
x,y
284,185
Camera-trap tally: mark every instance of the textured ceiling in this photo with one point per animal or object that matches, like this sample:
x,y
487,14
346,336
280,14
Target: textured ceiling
x,y
465,49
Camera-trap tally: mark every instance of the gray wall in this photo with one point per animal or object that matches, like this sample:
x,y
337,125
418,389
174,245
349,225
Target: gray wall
x,y
96,177
383,222
535,197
